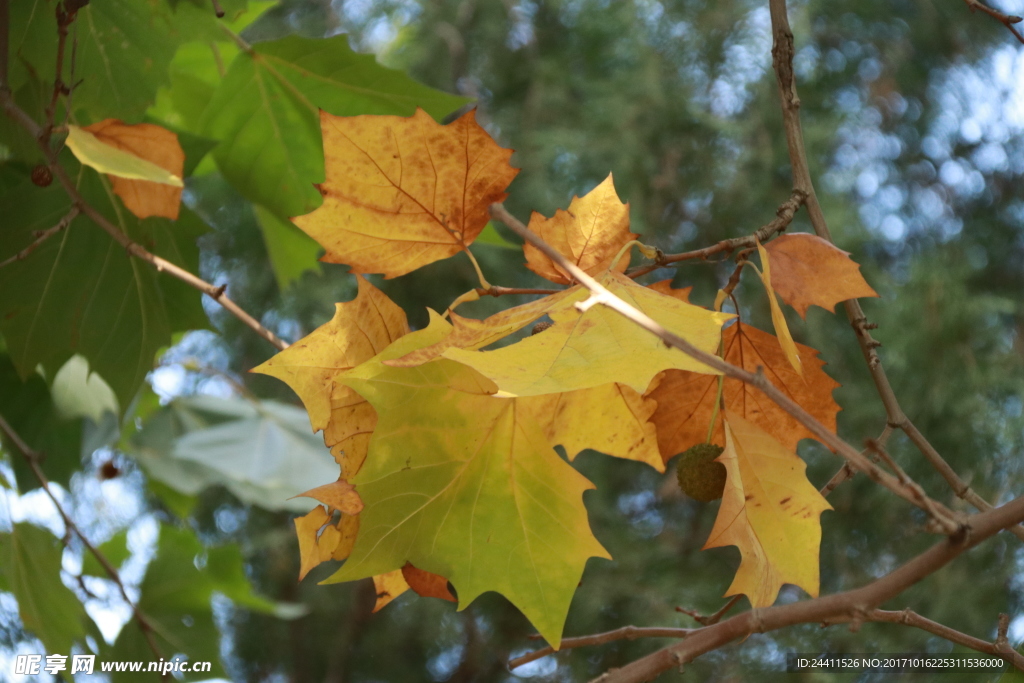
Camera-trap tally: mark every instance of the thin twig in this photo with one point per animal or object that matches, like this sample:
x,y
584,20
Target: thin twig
x,y
600,295
845,472
947,525
909,617
133,248
217,9
1007,20
714,618
33,458
41,236
782,60
816,610
784,216
624,633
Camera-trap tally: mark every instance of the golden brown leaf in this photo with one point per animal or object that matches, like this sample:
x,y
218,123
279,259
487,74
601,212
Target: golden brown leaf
x,y
665,287
770,511
348,529
811,271
156,145
388,587
686,400
402,192
339,495
426,584
590,235
311,551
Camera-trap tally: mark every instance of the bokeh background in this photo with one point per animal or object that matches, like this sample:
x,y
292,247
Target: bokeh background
x,y
913,112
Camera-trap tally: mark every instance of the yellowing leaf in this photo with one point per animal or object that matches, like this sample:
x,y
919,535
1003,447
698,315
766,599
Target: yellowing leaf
x,y
778,318
348,529
339,495
144,161
611,418
465,485
590,234
470,333
360,329
427,585
402,192
582,350
388,587
811,271
686,400
770,511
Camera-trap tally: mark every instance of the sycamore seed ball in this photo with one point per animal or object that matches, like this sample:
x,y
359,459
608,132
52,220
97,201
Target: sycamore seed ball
x,y
700,477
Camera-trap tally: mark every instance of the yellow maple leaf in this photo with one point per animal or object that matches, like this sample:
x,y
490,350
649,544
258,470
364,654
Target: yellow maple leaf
x,y
590,234
599,346
360,329
770,511
686,400
811,271
402,192
144,162
311,551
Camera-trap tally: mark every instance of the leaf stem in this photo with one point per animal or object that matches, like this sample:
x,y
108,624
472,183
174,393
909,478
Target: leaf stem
x,y
484,284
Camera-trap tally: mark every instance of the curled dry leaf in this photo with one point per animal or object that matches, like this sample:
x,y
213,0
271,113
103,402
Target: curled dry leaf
x,y
770,511
339,495
590,235
686,400
144,162
311,551
427,585
810,271
402,192
778,317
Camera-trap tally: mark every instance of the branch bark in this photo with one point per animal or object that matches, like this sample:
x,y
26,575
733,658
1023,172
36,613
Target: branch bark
x,y
859,601
624,633
782,59
1007,20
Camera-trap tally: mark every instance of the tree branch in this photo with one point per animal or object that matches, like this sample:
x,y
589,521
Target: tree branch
x,y
624,633
495,290
600,295
784,216
859,600
909,617
32,458
133,248
41,236
782,59
1007,20
711,619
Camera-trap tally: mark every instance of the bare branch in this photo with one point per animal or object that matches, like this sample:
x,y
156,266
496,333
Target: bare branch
x,y
41,236
600,295
1007,20
133,248
624,633
848,603
784,216
33,458
782,58
714,618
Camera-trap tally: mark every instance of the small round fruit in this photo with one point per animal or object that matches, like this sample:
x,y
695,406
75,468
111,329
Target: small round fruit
x,y
41,176
700,477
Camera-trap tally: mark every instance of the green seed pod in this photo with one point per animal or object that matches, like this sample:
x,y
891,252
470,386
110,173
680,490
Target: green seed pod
x,y
700,477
